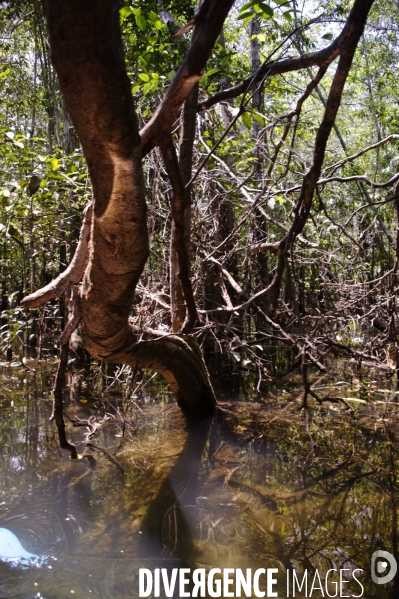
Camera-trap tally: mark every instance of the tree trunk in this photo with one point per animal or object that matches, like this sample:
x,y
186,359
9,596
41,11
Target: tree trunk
x,y
254,29
189,119
87,54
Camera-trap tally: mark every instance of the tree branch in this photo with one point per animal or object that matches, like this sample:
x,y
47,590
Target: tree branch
x,y
178,209
364,178
73,274
208,24
58,405
349,39
341,163
322,58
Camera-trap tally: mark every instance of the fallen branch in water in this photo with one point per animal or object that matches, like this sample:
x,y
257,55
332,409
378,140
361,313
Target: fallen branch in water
x,y
107,453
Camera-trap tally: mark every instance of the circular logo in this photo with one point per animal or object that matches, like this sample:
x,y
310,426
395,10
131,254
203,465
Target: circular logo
x,y
380,562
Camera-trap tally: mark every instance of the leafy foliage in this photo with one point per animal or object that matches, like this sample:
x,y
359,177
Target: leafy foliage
x,y
245,190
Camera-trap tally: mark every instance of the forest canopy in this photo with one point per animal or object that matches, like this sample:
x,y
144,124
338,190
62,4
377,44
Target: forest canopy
x,y
180,181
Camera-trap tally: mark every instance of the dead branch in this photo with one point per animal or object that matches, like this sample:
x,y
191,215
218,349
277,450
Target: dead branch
x,y
237,288
378,144
363,178
107,453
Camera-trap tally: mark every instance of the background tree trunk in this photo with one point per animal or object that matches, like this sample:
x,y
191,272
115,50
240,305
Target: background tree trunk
x,y
189,119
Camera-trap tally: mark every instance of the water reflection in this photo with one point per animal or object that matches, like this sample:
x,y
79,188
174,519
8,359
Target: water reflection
x,y
263,485
11,550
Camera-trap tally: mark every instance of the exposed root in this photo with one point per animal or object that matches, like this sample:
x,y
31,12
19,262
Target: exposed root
x,y
58,407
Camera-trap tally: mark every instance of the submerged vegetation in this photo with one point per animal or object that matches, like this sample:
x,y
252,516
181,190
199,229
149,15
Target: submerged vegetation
x,y
265,485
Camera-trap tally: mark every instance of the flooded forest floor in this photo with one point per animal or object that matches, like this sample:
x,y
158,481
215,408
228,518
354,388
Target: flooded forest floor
x,y
266,483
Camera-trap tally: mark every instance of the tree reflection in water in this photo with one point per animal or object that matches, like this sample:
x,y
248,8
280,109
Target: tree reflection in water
x,y
263,485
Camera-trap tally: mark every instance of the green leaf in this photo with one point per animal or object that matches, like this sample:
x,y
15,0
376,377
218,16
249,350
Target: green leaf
x,y
170,76
260,36
141,22
154,84
246,15
327,36
260,118
144,77
54,164
125,12
246,119
266,9
146,88
249,19
248,5
288,16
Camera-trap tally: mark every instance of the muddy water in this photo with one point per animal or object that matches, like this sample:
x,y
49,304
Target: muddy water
x,y
264,485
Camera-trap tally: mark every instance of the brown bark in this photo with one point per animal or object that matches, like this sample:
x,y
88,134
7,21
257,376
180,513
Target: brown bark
x,y
208,25
86,50
255,66
189,117
178,238
71,142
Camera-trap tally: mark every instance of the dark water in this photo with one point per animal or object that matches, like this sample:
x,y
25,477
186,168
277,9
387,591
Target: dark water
x,y
264,485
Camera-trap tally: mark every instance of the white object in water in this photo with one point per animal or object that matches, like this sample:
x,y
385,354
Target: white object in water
x,y
11,548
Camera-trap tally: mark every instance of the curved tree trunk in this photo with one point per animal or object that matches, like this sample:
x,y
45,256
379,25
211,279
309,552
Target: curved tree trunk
x,y
87,54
